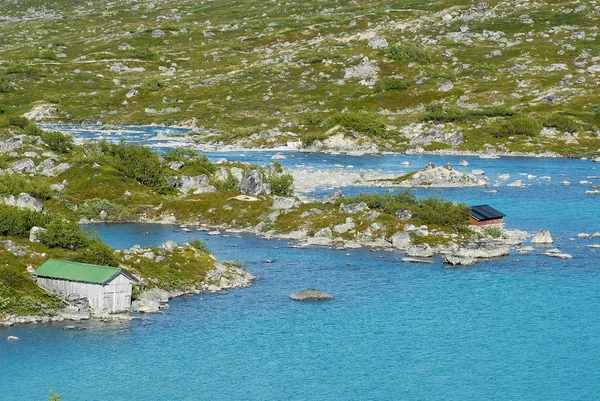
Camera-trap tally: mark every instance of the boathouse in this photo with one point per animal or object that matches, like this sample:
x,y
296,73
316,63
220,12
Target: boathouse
x,y
108,289
484,215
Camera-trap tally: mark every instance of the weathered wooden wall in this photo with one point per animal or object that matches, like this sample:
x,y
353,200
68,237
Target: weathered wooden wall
x,y
114,296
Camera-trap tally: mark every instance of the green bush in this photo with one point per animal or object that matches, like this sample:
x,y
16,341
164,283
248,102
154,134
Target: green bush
x,y
20,122
97,253
200,245
453,114
5,85
17,223
281,183
57,141
64,234
493,232
228,185
24,69
139,163
308,140
152,85
561,122
392,84
91,209
516,126
13,184
439,212
140,54
362,122
388,203
409,52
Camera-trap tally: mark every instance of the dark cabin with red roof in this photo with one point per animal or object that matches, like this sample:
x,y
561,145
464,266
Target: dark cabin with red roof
x,y
484,215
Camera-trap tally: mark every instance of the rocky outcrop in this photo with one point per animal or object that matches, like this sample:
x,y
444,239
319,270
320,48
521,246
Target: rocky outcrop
x,y
48,169
436,134
42,112
151,301
442,177
420,251
311,294
252,184
483,249
23,201
11,144
353,208
542,237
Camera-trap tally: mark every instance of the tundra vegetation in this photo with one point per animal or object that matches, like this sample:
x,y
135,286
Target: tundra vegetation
x,y
509,76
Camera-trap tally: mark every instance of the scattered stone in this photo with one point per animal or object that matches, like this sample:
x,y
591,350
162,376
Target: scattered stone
x,y
283,203
446,87
176,165
34,233
404,215
23,166
354,208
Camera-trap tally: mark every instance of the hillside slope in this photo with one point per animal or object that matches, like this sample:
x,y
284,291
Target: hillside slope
x,y
395,75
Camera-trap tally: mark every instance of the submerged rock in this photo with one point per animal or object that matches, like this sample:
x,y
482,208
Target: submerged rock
x,y
12,338
542,237
310,294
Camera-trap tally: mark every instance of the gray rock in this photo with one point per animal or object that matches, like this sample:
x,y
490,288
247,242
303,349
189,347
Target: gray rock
x,y
168,246
324,233
418,260
151,301
456,260
34,233
199,184
311,294
420,251
252,184
131,93
23,166
283,203
542,237
11,144
354,208
365,70
57,187
446,87
176,165
377,42
331,198
343,228
483,249
401,240
23,201
440,177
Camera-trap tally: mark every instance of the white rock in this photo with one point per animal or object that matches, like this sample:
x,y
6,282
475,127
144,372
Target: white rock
x,y
542,237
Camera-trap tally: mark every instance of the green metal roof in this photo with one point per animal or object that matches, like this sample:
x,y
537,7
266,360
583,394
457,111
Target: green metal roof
x,y
74,271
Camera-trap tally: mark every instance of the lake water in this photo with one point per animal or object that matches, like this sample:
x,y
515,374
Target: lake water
x,y
519,327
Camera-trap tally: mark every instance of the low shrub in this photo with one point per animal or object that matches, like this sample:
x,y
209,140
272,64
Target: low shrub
x,y
91,209
57,141
362,122
281,183
24,69
516,126
308,140
409,52
6,86
152,85
453,114
13,184
200,245
97,253
561,122
20,122
64,234
392,84
18,223
228,185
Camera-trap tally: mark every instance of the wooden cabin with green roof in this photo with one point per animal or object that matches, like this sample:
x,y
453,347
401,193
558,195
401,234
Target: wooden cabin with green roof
x,y
108,289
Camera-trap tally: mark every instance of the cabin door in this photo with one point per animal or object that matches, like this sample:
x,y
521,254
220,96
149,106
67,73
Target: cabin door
x,y
109,301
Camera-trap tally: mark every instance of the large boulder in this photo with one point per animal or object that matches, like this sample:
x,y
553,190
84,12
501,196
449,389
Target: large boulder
x,y
151,301
311,294
354,208
23,166
252,184
42,112
168,246
199,184
23,201
283,203
455,260
11,144
401,240
420,251
542,237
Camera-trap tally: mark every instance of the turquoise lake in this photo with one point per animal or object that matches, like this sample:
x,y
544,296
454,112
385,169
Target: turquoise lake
x,y
520,327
